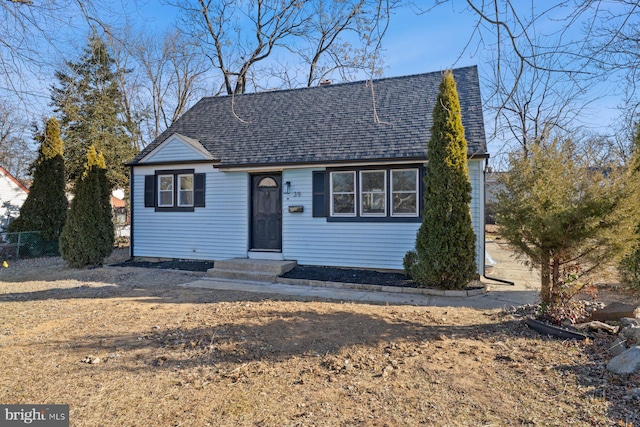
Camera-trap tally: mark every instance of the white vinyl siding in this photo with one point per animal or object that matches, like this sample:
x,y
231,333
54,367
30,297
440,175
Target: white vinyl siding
x,y
476,177
217,231
174,149
314,241
381,245
220,229
12,196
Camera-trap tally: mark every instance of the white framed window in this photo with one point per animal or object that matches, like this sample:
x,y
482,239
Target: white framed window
x,y
343,193
175,190
165,190
404,192
185,190
373,193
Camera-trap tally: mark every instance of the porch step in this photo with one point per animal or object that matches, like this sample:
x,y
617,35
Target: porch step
x,y
250,269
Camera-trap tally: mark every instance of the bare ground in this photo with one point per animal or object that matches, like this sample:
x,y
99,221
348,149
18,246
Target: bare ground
x,y
173,356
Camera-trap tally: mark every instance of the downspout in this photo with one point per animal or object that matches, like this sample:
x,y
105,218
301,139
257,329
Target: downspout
x,y
484,236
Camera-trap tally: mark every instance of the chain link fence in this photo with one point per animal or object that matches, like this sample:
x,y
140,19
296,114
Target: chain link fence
x,y
26,244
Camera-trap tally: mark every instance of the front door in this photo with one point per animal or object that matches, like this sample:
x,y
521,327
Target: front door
x,y
266,212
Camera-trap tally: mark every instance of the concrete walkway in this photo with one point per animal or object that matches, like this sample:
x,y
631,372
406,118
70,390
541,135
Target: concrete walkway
x,y
524,291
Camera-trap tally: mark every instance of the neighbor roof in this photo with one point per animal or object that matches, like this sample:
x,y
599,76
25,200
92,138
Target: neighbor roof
x,y
326,124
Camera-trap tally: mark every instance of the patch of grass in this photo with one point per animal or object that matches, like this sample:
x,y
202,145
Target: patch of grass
x,y
180,356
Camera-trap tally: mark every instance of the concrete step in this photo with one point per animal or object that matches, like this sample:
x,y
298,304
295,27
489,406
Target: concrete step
x,y
250,269
259,265
242,275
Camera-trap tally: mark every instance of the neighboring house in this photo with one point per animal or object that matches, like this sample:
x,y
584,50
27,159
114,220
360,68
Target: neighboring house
x,y
329,175
12,196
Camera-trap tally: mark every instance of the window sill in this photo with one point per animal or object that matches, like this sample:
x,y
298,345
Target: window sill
x,y
374,219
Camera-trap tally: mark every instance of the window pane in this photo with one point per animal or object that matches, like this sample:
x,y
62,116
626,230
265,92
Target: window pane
x,y
166,198
404,184
404,180
373,203
185,195
373,192
267,182
373,181
186,182
343,192
186,198
166,183
405,203
343,204
343,182
165,190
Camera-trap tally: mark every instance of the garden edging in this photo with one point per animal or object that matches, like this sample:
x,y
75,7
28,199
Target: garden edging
x,y
479,290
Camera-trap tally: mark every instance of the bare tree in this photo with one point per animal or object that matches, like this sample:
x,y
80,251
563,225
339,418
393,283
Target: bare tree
x,y
17,150
25,30
172,74
542,103
574,38
614,42
250,42
329,36
235,36
34,35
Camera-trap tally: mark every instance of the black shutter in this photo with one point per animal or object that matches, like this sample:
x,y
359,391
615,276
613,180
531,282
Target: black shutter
x,y
198,190
149,191
319,194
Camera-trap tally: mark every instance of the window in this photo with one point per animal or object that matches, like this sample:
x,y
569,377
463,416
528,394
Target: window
x,y
368,194
165,190
343,193
185,195
373,193
404,192
174,190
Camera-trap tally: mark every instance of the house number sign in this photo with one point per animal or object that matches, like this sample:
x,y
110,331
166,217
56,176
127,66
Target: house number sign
x,y
296,194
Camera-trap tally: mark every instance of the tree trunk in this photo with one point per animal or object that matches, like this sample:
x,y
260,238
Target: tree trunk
x,y
555,280
545,280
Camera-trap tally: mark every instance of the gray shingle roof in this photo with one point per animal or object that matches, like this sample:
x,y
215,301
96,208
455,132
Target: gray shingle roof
x,y
326,124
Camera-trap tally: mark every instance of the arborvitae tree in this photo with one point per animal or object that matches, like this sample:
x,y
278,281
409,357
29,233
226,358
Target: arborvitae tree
x,y
630,265
445,244
45,208
88,235
92,113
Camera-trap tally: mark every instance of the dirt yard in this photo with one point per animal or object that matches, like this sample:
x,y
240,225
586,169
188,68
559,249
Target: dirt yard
x,y
124,346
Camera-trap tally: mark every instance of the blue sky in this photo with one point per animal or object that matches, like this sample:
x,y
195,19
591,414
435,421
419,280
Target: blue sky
x,y
414,43
436,40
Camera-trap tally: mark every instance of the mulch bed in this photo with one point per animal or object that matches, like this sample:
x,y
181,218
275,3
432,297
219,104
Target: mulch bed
x,y
306,272
350,275
184,265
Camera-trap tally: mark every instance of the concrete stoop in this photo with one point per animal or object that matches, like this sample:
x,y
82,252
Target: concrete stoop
x,y
250,269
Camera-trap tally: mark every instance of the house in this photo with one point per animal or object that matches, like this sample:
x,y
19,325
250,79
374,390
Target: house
x,y
12,196
329,175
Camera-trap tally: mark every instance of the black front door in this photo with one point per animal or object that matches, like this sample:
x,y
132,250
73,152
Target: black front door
x,y
266,212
